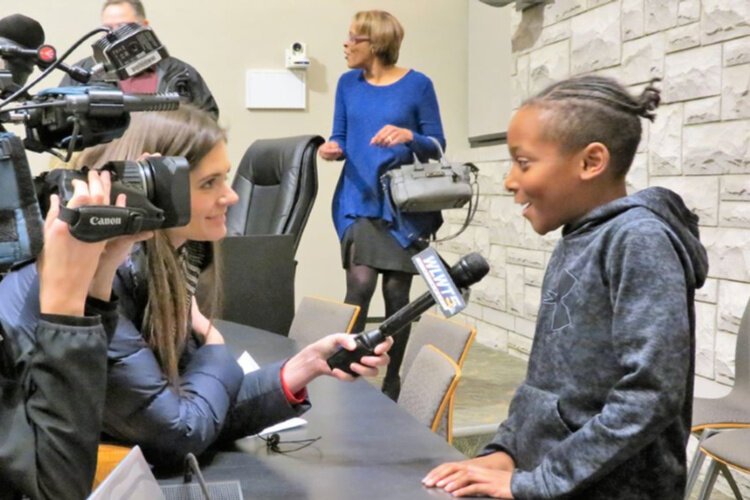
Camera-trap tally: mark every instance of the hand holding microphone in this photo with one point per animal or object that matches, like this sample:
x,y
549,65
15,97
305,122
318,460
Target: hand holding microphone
x,y
469,270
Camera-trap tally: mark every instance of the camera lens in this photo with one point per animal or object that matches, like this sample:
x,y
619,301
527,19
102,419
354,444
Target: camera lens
x,y
139,175
297,47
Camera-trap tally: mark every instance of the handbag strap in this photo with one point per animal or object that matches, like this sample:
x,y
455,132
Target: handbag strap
x,y
442,159
471,210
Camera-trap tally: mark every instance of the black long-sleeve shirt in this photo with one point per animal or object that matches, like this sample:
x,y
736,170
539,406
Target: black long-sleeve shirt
x,y
51,404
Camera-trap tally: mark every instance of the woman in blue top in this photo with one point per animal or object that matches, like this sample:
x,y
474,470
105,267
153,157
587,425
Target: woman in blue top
x,y
384,115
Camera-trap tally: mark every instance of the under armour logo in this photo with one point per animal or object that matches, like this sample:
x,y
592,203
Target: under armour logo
x,y
561,313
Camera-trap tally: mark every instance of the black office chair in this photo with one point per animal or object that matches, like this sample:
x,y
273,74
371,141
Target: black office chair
x,y
277,181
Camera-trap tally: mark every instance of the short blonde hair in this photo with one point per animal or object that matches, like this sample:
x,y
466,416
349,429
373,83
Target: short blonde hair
x,y
384,31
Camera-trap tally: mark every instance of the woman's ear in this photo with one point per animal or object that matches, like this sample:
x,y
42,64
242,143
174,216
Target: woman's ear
x,y
595,160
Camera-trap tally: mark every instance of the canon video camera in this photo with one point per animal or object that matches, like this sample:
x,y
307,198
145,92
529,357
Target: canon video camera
x,y
73,118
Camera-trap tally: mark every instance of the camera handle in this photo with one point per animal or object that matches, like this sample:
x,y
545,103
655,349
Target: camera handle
x,y
97,223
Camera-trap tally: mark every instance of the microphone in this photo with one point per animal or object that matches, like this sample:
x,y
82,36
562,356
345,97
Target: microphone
x,y
467,271
22,30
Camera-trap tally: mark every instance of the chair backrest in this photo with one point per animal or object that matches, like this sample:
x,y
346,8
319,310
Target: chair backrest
x,y
742,354
316,317
428,389
451,337
277,181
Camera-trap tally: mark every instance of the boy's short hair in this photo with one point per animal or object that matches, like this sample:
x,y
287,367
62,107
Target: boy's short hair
x,y
140,11
588,109
384,31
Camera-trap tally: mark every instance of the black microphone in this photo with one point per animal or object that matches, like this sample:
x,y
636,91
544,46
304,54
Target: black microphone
x,y
22,30
467,271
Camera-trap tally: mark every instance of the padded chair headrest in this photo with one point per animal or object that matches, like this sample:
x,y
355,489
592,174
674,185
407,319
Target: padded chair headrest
x,y
267,161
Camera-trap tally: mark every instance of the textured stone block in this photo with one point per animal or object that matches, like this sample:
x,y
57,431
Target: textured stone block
x,y
688,11
733,298
526,327
665,141
519,345
514,283
597,3
692,74
704,110
547,65
500,319
496,259
595,39
525,257
701,195
735,102
724,361
490,292
737,52
708,292
735,214
491,336
643,59
507,225
526,35
532,297
705,319
533,277
716,148
684,37
637,177
660,15
729,258
562,9
633,19
735,188
724,19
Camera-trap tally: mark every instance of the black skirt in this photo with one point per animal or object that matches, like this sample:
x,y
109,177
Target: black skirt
x,y
372,245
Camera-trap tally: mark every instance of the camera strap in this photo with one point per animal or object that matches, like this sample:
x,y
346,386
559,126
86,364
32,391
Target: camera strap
x,y
97,223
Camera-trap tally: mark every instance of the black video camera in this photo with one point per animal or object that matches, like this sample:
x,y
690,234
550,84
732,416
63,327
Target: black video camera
x,y
73,118
157,190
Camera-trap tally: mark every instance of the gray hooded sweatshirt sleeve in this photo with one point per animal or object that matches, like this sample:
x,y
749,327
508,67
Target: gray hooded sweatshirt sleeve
x,y
605,409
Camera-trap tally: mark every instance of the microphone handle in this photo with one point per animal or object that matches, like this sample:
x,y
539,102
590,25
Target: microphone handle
x,y
366,342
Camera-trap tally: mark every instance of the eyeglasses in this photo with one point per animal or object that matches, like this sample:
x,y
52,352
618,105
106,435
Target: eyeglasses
x,y
357,38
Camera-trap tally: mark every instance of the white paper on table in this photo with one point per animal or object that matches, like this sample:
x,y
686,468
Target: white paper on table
x,y
248,364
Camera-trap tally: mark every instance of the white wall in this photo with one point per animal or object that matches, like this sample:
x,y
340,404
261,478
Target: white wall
x,y
224,38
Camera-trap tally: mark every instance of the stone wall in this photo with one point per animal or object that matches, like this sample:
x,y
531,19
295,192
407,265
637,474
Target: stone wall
x,y
699,146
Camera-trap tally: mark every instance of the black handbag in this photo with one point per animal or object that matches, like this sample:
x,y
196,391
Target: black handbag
x,y
431,187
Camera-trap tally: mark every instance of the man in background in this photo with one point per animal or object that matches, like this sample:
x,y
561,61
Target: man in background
x,y
168,75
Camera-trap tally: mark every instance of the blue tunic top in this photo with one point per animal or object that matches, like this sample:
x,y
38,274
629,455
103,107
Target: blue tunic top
x,y
362,109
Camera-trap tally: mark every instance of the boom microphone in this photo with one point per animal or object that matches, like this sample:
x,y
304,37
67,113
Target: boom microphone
x,y
467,271
22,30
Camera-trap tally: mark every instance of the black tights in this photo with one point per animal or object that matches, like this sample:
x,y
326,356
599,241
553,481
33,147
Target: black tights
x,y
360,286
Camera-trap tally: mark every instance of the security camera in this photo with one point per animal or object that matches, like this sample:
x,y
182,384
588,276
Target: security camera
x,y
296,56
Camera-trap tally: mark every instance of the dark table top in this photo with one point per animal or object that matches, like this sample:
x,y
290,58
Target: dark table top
x,y
369,447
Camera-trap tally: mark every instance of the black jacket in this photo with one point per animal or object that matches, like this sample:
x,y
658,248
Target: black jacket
x,y
173,75
52,391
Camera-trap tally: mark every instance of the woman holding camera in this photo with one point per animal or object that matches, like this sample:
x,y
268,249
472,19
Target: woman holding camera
x,y
385,114
53,376
173,387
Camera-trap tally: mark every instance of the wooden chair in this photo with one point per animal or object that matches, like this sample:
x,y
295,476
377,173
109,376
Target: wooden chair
x,y
712,415
429,387
452,337
726,450
317,317
108,457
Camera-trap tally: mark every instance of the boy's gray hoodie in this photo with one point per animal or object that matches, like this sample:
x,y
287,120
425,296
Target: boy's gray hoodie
x,y
605,409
